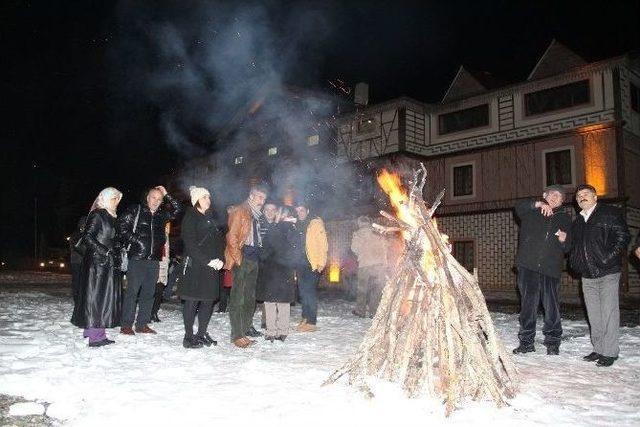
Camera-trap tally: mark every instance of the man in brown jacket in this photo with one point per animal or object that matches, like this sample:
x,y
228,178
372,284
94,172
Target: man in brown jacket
x,y
242,254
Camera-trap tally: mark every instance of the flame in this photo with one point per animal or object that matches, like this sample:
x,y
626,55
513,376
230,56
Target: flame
x,y
334,273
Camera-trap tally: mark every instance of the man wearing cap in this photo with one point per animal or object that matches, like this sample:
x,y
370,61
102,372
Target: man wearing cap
x,y
310,246
543,241
600,238
242,254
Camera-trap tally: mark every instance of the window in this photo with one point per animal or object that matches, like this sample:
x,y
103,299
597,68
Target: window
x,y
367,125
463,119
463,180
238,160
463,252
273,151
557,98
635,97
313,140
558,167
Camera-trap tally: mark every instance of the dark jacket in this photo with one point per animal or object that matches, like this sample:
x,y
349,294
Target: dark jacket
x,y
203,241
599,243
75,255
149,237
539,249
275,274
99,298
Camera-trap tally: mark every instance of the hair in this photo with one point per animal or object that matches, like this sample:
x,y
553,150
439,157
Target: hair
x,y
586,187
262,188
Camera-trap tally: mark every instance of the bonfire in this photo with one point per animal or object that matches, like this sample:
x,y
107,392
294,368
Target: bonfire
x,y
432,331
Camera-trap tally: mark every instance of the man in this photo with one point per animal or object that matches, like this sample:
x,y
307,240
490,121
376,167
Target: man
x,y
242,255
543,241
310,246
371,249
142,231
600,237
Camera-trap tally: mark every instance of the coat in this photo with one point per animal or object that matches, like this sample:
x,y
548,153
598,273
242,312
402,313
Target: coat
x,y
203,241
240,220
539,249
99,303
370,247
275,274
310,244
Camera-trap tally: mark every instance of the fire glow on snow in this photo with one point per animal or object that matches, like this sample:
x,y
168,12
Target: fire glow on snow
x,y
152,380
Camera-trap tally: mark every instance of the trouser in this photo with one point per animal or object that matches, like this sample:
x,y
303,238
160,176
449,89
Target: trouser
x,y
142,276
95,334
535,287
307,287
603,311
75,282
369,290
277,318
224,299
242,299
171,282
157,301
203,309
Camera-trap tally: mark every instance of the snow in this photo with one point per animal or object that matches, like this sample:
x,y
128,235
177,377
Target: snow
x,y
153,380
26,408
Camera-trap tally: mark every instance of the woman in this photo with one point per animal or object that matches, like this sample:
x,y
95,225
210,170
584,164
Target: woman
x,y
276,287
203,250
99,297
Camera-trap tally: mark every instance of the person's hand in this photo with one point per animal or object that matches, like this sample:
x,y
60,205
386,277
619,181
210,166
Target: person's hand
x,y
637,251
562,236
291,219
216,264
545,209
162,190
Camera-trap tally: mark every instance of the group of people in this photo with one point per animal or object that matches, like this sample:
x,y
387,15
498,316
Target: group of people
x,y
596,245
265,249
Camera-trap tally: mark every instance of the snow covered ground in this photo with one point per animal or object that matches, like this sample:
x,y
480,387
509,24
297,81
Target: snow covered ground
x,y
152,380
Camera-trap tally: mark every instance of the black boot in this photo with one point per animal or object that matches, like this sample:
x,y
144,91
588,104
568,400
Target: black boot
x,y
207,340
191,342
253,333
553,349
524,348
157,300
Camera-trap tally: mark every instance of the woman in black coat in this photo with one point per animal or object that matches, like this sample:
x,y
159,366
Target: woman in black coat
x,y
99,301
204,252
275,273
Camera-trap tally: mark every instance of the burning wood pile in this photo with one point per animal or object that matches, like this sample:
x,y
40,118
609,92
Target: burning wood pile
x,y
432,331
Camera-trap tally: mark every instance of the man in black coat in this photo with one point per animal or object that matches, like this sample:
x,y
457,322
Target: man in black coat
x,y
543,241
142,231
601,237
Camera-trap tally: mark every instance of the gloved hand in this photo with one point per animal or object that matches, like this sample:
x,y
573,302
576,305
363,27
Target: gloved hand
x,y
216,264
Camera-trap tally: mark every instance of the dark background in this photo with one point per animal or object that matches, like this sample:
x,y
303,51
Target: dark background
x,y
72,125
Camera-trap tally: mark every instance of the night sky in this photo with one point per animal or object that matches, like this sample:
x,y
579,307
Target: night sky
x,y
75,119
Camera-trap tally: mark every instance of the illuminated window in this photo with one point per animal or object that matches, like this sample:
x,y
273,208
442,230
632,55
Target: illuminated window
x,y
313,140
558,166
460,120
273,151
557,98
462,180
635,97
238,160
463,251
367,125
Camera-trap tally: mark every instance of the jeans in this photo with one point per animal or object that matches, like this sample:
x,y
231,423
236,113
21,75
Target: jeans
x,y
535,287
242,300
142,276
603,311
307,287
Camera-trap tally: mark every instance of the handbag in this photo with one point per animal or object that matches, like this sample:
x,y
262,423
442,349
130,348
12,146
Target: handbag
x,y
124,254
78,244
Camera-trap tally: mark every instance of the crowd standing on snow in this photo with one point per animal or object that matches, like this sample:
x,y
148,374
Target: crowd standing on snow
x,y
264,253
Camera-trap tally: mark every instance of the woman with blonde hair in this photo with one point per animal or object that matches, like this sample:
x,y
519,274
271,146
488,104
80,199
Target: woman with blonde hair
x,y
99,299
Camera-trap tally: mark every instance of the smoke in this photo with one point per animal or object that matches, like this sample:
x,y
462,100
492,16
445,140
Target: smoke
x,y
225,78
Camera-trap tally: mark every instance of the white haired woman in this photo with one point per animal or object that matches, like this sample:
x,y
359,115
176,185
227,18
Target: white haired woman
x,y
99,299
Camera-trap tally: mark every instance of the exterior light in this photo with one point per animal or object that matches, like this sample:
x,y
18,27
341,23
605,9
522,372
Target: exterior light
x,y
273,151
238,160
62,265
42,264
313,140
334,273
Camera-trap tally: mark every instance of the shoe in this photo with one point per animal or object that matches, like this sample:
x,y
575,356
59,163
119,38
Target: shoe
x,y
207,340
553,350
300,326
524,348
591,357
281,338
606,361
126,330
191,342
145,330
155,318
308,327
102,343
243,342
270,338
253,333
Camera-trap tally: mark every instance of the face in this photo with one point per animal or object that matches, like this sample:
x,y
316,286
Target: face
x,y
204,202
270,210
586,199
112,203
257,198
302,212
154,199
554,198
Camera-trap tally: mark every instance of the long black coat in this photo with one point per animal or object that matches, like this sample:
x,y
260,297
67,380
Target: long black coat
x,y
275,274
203,241
99,303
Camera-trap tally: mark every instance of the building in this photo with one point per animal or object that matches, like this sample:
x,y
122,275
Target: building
x,y
489,145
